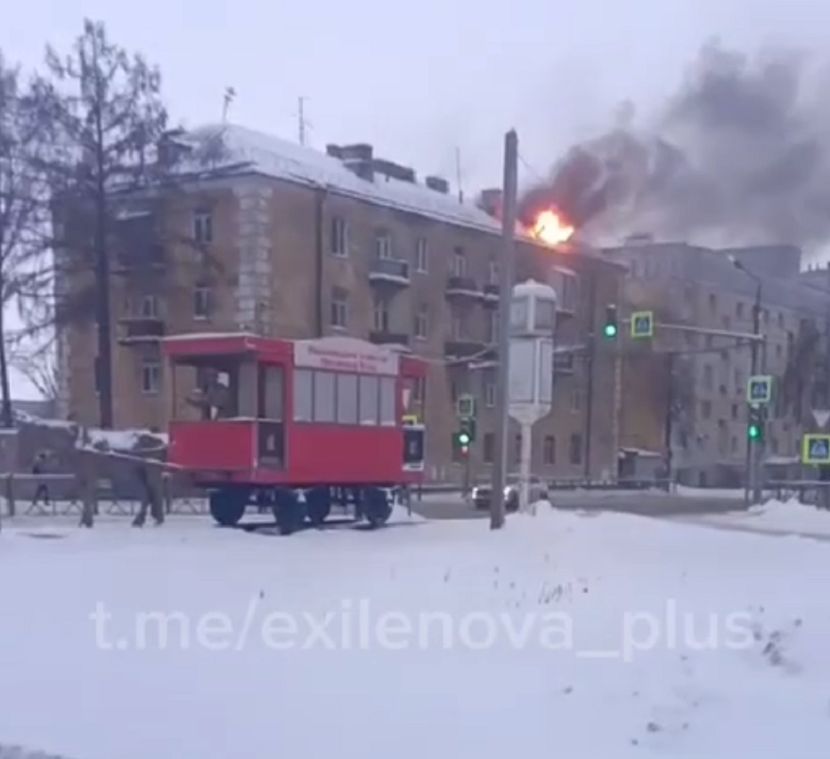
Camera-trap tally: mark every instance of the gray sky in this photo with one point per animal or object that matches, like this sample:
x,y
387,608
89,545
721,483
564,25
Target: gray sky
x,y
419,79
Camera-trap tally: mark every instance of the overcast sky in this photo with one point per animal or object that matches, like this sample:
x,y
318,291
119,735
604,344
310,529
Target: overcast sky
x,y
418,79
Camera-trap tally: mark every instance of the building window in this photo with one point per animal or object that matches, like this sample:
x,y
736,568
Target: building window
x,y
422,322
575,449
490,394
733,444
456,326
201,303
779,351
150,377
774,445
739,381
708,377
203,226
489,447
381,315
493,327
517,448
706,409
419,389
303,395
781,319
576,401
549,450
713,303
493,272
710,341
739,310
735,412
149,308
339,308
339,237
421,263
459,262
383,245
726,320
96,374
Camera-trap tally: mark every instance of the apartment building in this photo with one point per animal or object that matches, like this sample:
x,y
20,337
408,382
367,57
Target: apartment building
x,y
277,239
707,377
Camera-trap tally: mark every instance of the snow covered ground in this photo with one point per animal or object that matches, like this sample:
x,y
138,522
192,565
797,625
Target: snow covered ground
x,y
563,635
775,517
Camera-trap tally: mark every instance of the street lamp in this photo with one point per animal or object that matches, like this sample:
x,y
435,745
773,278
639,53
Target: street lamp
x,y
752,463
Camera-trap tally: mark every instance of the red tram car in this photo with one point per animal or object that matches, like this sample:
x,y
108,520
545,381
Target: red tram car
x,y
295,424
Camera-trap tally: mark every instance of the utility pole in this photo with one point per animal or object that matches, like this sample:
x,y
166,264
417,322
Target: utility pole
x,y
511,153
589,390
458,174
753,448
230,94
669,417
301,118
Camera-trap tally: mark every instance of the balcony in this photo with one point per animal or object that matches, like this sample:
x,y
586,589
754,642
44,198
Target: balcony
x,y
385,337
461,348
389,271
463,287
563,363
491,295
141,329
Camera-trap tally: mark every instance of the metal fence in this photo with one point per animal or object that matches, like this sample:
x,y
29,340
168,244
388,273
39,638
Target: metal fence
x,y
58,494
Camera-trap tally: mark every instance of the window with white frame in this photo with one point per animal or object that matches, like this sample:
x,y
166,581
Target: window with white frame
x,y
456,326
203,226
383,245
381,315
150,376
201,302
339,237
493,327
421,263
459,262
422,321
490,394
149,307
339,316
493,272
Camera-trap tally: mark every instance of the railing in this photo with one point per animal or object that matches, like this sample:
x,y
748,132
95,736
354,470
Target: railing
x,y
389,269
143,327
20,496
457,285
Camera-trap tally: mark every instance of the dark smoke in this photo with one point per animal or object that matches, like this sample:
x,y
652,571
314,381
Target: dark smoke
x,y
738,156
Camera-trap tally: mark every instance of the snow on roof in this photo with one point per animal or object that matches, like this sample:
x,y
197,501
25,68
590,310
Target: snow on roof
x,y
249,149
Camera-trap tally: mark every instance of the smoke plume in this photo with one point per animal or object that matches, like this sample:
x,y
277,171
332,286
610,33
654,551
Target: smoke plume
x,y
739,155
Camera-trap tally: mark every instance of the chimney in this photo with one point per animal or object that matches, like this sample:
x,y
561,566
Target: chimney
x,y
392,170
439,184
356,158
490,201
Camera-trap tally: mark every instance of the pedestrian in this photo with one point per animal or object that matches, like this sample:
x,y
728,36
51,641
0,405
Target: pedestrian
x,y
42,490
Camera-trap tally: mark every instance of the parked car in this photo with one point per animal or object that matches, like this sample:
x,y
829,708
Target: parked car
x,y
481,493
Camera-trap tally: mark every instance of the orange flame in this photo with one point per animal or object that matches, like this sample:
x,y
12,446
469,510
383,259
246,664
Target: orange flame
x,y
552,228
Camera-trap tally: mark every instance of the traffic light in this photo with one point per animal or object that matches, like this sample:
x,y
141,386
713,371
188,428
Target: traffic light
x,y
462,441
755,425
468,428
611,328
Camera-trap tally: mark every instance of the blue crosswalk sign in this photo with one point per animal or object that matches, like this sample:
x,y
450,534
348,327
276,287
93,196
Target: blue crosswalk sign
x,y
816,449
759,389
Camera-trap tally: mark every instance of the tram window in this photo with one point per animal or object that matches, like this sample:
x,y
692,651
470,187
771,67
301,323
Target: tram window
x,y
347,398
369,400
324,397
270,393
303,395
387,401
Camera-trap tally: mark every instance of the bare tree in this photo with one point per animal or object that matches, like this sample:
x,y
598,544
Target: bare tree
x,y
106,111
22,206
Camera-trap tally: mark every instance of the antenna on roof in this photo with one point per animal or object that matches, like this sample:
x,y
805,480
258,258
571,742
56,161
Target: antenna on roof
x,y
301,121
230,94
458,174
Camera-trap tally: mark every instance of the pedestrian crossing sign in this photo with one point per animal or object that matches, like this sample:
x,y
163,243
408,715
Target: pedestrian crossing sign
x,y
759,389
816,450
642,324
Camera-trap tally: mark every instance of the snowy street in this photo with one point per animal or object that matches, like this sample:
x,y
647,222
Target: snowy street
x,y
602,635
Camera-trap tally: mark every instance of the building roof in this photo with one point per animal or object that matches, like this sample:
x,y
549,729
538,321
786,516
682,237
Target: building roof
x,y
246,149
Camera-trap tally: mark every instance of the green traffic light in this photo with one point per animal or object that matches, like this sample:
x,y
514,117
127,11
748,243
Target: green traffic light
x,y
463,439
610,330
754,432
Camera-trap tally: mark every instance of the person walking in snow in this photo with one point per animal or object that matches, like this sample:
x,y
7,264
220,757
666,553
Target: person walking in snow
x,y
42,490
